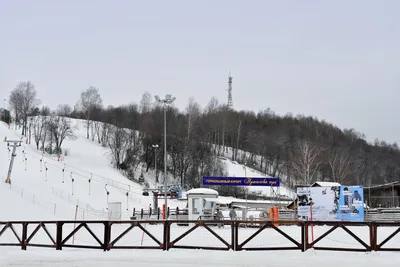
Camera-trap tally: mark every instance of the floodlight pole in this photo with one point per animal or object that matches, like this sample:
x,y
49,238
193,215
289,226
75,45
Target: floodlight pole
x,y
155,159
165,161
13,155
168,100
247,188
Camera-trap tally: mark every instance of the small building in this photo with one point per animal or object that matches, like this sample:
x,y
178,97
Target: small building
x,y
5,115
383,196
202,203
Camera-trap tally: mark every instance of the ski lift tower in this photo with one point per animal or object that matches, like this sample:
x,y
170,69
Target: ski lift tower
x,y
14,144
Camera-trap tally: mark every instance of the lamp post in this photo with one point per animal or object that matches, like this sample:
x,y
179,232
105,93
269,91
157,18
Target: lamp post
x,y
247,188
167,101
155,160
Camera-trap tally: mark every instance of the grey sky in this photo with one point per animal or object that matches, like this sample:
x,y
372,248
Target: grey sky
x,y
337,60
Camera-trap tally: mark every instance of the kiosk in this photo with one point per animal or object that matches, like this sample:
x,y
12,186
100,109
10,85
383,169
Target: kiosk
x,y
202,203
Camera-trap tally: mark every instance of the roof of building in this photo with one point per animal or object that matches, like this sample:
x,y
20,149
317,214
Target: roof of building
x,y
202,191
384,186
322,184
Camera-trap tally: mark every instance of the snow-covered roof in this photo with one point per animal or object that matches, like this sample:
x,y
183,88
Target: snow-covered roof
x,y
391,184
325,184
202,191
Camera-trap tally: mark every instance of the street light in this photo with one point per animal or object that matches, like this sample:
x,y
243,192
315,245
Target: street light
x,y
167,101
155,160
247,188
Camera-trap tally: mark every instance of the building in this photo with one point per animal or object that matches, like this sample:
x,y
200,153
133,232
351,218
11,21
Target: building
x,y
5,115
383,196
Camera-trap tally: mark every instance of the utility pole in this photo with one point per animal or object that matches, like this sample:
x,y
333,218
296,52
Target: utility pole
x,y
247,188
167,101
15,144
155,160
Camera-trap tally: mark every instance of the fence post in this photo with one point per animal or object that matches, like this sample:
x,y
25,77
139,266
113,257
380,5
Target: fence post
x,y
107,236
372,235
59,233
303,237
24,235
166,236
233,245
237,236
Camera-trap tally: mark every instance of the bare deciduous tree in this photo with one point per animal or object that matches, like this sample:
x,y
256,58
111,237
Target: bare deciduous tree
x,y
340,163
90,100
39,129
118,143
23,101
307,160
145,103
105,133
60,129
64,110
193,112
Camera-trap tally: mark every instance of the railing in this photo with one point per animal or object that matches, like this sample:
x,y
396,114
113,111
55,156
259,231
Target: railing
x,y
211,235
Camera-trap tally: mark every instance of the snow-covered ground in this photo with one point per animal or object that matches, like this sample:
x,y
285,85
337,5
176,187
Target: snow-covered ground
x,y
87,258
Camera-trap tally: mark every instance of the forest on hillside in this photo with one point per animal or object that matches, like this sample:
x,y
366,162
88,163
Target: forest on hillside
x,y
302,149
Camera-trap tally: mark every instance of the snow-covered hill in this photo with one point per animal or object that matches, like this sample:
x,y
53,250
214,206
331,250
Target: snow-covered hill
x,y
44,187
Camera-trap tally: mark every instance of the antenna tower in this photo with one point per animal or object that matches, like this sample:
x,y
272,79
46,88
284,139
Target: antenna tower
x,y
230,102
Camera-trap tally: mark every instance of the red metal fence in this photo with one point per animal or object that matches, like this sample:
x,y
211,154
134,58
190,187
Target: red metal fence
x,y
170,235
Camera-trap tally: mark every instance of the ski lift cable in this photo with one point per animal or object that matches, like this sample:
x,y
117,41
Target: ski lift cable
x,y
86,177
70,166
79,169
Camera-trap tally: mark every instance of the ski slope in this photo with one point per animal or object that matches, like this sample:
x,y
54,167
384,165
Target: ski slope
x,y
57,187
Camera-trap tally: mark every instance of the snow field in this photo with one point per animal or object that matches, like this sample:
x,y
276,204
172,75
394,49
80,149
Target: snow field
x,y
192,258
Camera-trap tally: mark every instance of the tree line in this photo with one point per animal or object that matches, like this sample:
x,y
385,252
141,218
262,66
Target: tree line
x,y
299,149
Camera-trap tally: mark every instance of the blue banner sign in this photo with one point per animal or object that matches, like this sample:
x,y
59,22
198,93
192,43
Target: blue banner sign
x,y
351,204
240,181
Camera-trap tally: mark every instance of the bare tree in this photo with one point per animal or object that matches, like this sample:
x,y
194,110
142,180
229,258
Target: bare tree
x,y
16,103
45,111
39,129
90,100
118,143
307,160
341,164
97,127
193,111
23,101
105,134
64,110
60,129
145,103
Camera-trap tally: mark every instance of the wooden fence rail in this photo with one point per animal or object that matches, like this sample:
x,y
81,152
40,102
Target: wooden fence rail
x,y
61,237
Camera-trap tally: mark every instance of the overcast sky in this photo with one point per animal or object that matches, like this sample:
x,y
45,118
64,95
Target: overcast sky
x,y
337,60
